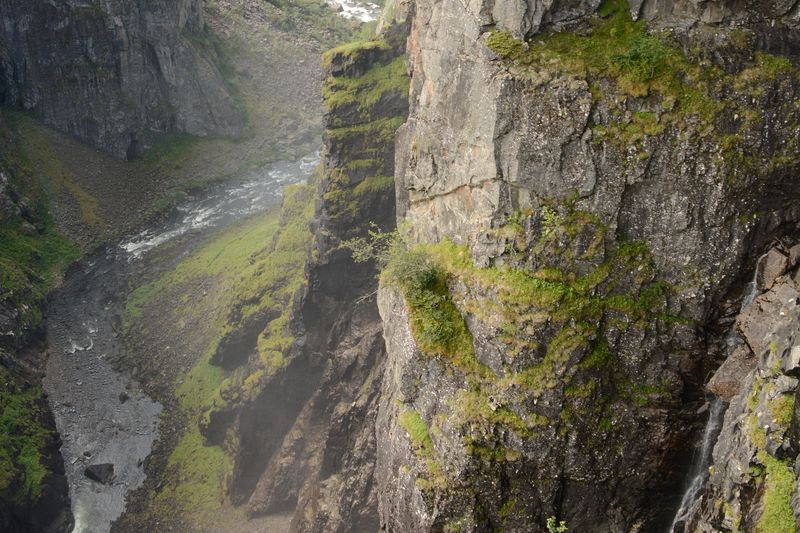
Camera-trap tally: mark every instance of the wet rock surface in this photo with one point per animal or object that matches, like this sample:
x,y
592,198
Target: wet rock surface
x,y
751,486
102,473
84,386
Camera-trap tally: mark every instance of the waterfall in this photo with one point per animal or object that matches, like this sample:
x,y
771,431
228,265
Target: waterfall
x,y
752,287
700,463
702,459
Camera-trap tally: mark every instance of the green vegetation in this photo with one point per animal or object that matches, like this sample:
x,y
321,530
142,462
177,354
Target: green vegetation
x,y
616,47
353,50
33,254
23,439
438,326
554,526
417,429
778,514
33,257
632,69
31,262
365,143
252,268
366,91
37,157
552,320
782,409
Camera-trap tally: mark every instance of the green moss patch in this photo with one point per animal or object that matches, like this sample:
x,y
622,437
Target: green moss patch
x,y
778,514
418,431
23,440
648,71
552,320
360,133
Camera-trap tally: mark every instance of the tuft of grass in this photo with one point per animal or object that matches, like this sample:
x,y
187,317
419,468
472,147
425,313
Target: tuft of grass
x,y
778,513
782,409
646,57
418,431
504,44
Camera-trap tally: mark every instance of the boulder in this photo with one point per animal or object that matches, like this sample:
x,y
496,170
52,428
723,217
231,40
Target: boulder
x,y
774,264
101,473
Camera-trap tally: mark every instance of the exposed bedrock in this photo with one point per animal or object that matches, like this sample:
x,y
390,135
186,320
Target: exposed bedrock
x,y
595,226
115,74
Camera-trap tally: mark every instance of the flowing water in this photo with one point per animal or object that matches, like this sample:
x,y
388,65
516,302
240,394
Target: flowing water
x,y
101,413
703,458
355,9
700,463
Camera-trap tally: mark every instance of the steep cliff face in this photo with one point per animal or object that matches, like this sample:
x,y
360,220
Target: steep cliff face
x,y
752,482
325,467
33,489
585,205
301,422
115,74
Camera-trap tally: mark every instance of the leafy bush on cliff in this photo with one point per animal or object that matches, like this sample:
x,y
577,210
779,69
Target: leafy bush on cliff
x,y
646,57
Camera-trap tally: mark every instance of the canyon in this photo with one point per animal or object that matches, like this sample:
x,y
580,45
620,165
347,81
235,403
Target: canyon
x,y
543,276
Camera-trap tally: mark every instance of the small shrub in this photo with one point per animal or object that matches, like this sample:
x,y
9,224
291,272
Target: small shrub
x,y
378,246
645,58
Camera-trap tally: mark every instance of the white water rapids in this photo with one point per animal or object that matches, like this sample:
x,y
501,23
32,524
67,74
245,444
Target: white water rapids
x,y
355,9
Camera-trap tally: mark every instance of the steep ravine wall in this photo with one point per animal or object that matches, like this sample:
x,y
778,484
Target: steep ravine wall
x,y
115,74
753,477
33,488
592,202
302,428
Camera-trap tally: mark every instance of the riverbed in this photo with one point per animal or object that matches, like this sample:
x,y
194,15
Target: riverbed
x,y
101,412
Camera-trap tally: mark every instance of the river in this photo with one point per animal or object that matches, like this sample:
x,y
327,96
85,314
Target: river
x,y
101,412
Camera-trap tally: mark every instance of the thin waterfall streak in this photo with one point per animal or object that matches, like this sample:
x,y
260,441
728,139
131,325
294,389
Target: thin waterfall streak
x,y
701,462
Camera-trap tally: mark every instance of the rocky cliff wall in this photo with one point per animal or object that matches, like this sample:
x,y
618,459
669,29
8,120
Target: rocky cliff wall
x,y
753,476
115,74
587,205
304,439
33,488
330,452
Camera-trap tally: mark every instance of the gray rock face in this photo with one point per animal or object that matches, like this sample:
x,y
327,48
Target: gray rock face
x,y
114,74
101,473
753,476
493,156
525,18
307,443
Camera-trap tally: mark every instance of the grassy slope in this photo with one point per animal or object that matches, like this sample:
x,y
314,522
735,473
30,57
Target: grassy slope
x,y
204,297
